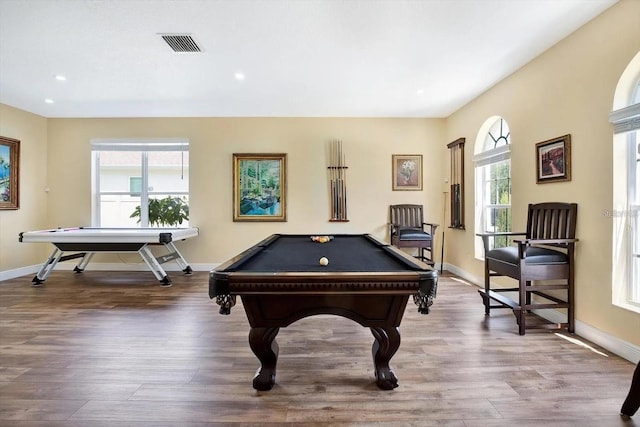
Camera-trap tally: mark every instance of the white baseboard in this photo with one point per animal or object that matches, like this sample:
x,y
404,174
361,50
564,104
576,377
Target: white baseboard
x,y
18,272
612,343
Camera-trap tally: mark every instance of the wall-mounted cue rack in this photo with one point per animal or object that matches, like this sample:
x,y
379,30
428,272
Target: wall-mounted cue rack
x,y
337,182
457,183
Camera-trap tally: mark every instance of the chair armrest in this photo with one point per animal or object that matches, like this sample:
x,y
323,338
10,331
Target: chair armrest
x,y
502,233
524,243
485,237
393,228
529,242
432,227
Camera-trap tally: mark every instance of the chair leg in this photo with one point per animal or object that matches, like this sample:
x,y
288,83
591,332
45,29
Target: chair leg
x,y
425,255
632,402
487,288
521,315
571,310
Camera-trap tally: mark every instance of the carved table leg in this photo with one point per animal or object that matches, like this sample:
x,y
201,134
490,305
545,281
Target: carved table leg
x,y
387,342
264,346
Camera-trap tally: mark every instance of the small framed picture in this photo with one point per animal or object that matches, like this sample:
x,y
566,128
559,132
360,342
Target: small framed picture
x,y
259,187
407,171
9,173
553,160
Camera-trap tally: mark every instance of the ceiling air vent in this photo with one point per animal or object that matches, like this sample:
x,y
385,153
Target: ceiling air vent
x,y
181,42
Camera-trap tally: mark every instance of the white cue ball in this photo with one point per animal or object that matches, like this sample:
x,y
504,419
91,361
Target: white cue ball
x,y
324,261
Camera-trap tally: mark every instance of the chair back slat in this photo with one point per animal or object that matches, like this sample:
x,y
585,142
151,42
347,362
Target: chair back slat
x,y
406,215
552,221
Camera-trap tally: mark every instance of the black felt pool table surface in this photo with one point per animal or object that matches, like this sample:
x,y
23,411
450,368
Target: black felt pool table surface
x,y
299,253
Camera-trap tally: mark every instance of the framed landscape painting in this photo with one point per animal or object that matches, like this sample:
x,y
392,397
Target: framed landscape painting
x,y
407,171
9,173
259,187
553,160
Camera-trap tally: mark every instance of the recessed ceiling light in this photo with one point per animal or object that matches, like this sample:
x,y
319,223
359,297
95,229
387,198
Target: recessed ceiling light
x,y
61,78
239,76
419,91
48,101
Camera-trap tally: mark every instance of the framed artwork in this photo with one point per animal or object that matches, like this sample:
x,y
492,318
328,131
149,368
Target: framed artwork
x,y
259,187
553,160
407,171
9,173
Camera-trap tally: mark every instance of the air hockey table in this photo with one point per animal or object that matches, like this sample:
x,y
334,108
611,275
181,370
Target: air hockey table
x,y
84,242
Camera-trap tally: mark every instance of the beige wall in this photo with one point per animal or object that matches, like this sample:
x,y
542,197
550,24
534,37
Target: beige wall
x,y
31,131
368,145
567,90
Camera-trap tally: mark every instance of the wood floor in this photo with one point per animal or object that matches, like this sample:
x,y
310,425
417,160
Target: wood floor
x,y
116,349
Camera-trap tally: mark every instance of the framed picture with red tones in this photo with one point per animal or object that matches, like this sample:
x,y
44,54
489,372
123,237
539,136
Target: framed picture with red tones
x,y
553,160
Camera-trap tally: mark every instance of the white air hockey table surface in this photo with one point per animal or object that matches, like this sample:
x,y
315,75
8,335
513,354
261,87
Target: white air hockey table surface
x,y
86,241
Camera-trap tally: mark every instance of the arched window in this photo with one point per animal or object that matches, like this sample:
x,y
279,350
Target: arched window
x,y
492,162
626,189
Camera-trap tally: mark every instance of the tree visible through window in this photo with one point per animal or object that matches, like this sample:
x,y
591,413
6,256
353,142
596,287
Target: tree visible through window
x,y
140,183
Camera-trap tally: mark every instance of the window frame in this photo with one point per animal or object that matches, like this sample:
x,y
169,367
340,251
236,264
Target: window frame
x,y
489,151
625,214
138,145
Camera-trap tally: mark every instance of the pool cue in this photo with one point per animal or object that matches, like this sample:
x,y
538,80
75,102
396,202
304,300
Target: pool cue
x,y
340,185
336,200
331,202
339,190
343,204
442,254
337,178
330,145
444,218
334,189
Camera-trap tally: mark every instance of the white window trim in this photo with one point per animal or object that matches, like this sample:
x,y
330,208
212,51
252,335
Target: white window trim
x,y
480,160
140,144
128,144
495,155
625,120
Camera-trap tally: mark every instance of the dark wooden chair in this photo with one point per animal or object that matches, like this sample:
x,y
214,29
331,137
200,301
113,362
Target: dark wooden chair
x,y
545,254
408,230
632,402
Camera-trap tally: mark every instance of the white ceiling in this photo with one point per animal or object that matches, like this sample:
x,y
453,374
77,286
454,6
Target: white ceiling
x,y
311,58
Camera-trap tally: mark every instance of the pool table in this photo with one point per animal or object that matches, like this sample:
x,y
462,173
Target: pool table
x,y
86,241
281,280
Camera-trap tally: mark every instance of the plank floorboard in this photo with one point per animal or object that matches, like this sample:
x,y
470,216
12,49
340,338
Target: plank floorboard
x,y
116,349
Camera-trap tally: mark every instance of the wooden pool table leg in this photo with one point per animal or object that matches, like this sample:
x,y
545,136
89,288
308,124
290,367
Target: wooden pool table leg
x,y
387,342
263,344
